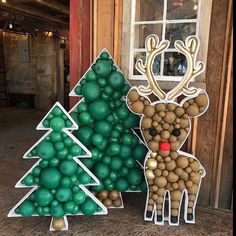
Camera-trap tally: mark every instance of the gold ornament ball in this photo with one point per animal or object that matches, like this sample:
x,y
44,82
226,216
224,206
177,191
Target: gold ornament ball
x,y
152,163
175,204
149,174
169,117
114,194
195,166
107,202
103,194
153,145
182,162
133,96
117,202
193,189
175,195
201,100
149,111
161,191
174,212
160,107
58,224
184,123
192,110
170,165
161,181
171,106
172,177
137,107
179,111
146,123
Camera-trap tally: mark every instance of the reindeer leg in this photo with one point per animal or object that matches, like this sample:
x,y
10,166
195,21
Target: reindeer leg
x,y
175,203
150,208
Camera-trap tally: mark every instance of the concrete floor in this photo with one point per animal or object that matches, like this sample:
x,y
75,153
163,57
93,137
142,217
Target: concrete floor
x,y
18,134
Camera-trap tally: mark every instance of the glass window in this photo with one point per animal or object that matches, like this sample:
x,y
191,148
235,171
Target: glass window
x,y
168,19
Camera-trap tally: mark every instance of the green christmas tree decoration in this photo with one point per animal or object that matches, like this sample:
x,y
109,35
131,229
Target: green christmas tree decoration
x,y
58,178
106,128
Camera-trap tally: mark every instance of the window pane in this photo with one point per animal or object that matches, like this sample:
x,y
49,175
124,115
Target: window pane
x,y
142,55
142,31
181,9
175,64
179,31
149,10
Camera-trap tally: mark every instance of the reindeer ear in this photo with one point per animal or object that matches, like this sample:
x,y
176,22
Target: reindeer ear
x,y
137,102
195,107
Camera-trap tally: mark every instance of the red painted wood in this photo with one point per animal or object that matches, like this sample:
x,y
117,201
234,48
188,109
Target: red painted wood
x,y
79,42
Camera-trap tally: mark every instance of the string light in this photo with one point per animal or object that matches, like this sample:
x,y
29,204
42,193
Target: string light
x,y
3,1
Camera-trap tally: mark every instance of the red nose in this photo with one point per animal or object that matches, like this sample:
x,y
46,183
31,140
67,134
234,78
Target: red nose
x,y
164,146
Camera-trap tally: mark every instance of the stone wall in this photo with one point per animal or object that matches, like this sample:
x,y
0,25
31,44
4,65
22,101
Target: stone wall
x,y
36,76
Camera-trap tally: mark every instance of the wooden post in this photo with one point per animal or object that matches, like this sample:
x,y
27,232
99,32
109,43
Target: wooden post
x,y
79,41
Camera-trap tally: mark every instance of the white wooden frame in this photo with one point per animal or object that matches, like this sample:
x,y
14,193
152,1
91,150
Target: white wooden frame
x,y
164,21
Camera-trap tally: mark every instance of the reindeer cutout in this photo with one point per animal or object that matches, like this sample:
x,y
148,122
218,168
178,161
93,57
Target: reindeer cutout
x,y
165,125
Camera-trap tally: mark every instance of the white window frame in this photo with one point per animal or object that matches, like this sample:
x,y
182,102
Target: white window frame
x,y
164,21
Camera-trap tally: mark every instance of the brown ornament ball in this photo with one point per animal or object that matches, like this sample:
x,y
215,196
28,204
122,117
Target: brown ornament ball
x,y
153,189
191,197
174,154
157,118
160,181
137,107
189,210
171,106
182,162
170,165
196,178
185,105
188,170
179,111
189,184
175,195
107,202
154,197
181,184
159,206
150,207
146,123
160,200
161,191
192,110
184,123
102,194
153,145
157,138
149,111
146,102
175,145
190,101
193,189
161,166
117,202
147,135
195,166
202,109
184,176
162,114
169,117
175,185
114,195
133,95
157,172
159,212
58,223
172,177
167,159
165,126
164,153
175,204
174,212
190,204
201,100
178,171
150,201
165,173
165,134
160,107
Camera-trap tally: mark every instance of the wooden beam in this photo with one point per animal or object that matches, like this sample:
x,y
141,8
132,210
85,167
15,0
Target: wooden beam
x,y
33,12
55,5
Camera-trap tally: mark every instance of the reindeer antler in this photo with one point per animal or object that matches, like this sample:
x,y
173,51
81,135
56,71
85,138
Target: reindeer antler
x,y
153,48
190,50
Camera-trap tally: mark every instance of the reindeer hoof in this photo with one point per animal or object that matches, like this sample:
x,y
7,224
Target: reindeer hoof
x,y
190,216
148,214
159,218
174,219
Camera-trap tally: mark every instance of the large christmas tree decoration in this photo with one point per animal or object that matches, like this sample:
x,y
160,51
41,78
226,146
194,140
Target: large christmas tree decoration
x,y
171,174
106,128
58,178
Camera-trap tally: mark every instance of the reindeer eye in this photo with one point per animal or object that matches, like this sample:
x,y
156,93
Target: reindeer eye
x,y
176,132
153,132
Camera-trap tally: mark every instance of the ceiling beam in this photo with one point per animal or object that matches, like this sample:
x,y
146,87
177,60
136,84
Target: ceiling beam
x,y
55,6
33,12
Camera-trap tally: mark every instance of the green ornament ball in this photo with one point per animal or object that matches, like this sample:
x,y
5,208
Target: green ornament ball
x,y
85,118
59,145
102,68
113,149
57,211
89,207
123,113
65,182
74,116
69,206
84,178
84,134
82,107
68,168
57,111
116,163
91,75
143,186
79,197
75,150
36,171
96,154
99,109
45,150
26,208
125,151
131,121
78,90
104,55
124,171
121,184
91,91
28,180
127,139
139,152
46,123
88,162
98,188
103,127
116,80
57,123
130,162
102,82
43,196
106,160
63,194
50,178
62,154
55,136
101,170
135,177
